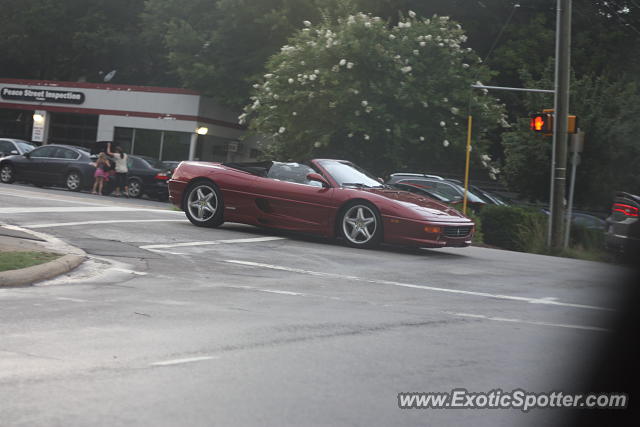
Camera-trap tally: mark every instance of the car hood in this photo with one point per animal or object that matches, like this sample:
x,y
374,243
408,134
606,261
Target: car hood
x,y
426,207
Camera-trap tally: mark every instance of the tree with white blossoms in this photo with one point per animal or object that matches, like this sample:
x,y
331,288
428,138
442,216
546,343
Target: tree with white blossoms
x,y
387,97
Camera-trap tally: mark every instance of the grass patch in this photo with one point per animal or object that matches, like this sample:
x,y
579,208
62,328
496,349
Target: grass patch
x,y
17,260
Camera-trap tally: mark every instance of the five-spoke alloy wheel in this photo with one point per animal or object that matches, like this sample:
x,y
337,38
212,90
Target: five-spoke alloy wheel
x,y
361,225
73,181
134,188
7,174
203,204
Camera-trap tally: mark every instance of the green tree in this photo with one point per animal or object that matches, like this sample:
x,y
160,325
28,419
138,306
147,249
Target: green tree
x,y
72,40
221,47
389,98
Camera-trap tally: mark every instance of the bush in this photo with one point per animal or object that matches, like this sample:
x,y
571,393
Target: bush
x,y
514,228
586,238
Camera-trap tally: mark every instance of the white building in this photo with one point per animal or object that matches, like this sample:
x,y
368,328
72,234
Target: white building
x,y
153,121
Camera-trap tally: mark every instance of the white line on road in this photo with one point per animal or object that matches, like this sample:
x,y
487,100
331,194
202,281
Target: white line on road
x,y
528,322
421,287
271,291
48,197
212,242
183,361
53,209
113,221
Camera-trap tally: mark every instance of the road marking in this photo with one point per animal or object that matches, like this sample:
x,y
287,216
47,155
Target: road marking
x,y
421,287
271,291
54,209
211,242
126,270
114,221
183,361
71,299
528,322
48,197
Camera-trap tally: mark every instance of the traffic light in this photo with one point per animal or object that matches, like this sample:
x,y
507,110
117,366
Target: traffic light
x,y
543,123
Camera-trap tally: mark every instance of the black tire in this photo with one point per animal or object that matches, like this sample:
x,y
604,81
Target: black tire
x,y
135,188
7,173
203,204
360,225
73,181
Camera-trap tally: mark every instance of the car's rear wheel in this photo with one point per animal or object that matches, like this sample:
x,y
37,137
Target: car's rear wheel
x,y
73,181
134,188
7,174
361,225
203,204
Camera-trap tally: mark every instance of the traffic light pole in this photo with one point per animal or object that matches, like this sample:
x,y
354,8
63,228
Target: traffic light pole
x,y
561,108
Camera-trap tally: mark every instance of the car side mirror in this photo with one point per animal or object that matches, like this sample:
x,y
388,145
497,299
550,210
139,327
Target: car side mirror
x,y
14,152
318,178
27,155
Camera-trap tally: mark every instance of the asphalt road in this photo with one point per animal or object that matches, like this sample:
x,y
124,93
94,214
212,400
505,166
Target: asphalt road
x,y
169,324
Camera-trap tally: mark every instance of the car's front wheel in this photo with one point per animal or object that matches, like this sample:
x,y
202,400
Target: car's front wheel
x,y
203,204
7,174
134,188
73,181
361,225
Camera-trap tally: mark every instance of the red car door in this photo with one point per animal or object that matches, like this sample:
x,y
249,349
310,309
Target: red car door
x,y
286,199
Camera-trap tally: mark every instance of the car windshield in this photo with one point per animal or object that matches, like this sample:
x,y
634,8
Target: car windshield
x,y
347,174
25,146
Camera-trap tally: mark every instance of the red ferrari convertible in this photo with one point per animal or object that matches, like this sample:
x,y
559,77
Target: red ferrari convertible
x,y
332,198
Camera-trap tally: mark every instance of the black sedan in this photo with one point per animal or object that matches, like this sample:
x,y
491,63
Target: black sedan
x,y
51,164
10,146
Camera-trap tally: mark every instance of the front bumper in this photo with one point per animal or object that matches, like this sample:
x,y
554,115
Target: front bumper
x,y
176,190
412,232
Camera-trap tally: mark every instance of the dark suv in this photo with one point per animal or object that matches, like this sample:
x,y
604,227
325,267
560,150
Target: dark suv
x,y
623,225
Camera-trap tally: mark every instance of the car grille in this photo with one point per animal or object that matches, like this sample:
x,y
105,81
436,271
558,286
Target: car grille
x,y
457,231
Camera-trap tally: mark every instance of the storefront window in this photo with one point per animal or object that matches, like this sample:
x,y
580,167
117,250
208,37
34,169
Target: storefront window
x,y
175,146
16,124
73,129
147,143
163,145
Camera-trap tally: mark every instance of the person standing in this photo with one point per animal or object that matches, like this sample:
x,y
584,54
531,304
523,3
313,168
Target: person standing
x,y
122,169
101,174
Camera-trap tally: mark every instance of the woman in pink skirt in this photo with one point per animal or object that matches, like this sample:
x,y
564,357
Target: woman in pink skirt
x,y
101,174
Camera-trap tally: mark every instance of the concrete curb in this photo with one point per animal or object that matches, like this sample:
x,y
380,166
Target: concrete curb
x,y
37,273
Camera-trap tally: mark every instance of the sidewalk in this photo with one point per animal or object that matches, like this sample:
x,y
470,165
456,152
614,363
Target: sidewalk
x,y
15,239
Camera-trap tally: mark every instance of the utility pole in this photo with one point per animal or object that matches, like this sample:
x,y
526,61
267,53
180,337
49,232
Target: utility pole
x,y
561,111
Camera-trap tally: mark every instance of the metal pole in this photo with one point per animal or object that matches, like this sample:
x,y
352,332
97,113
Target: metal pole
x,y
192,146
466,170
559,161
514,89
576,146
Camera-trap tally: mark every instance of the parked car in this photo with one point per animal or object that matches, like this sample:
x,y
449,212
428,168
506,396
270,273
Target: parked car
x,y
10,146
50,164
436,187
332,198
146,176
585,219
623,225
487,196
